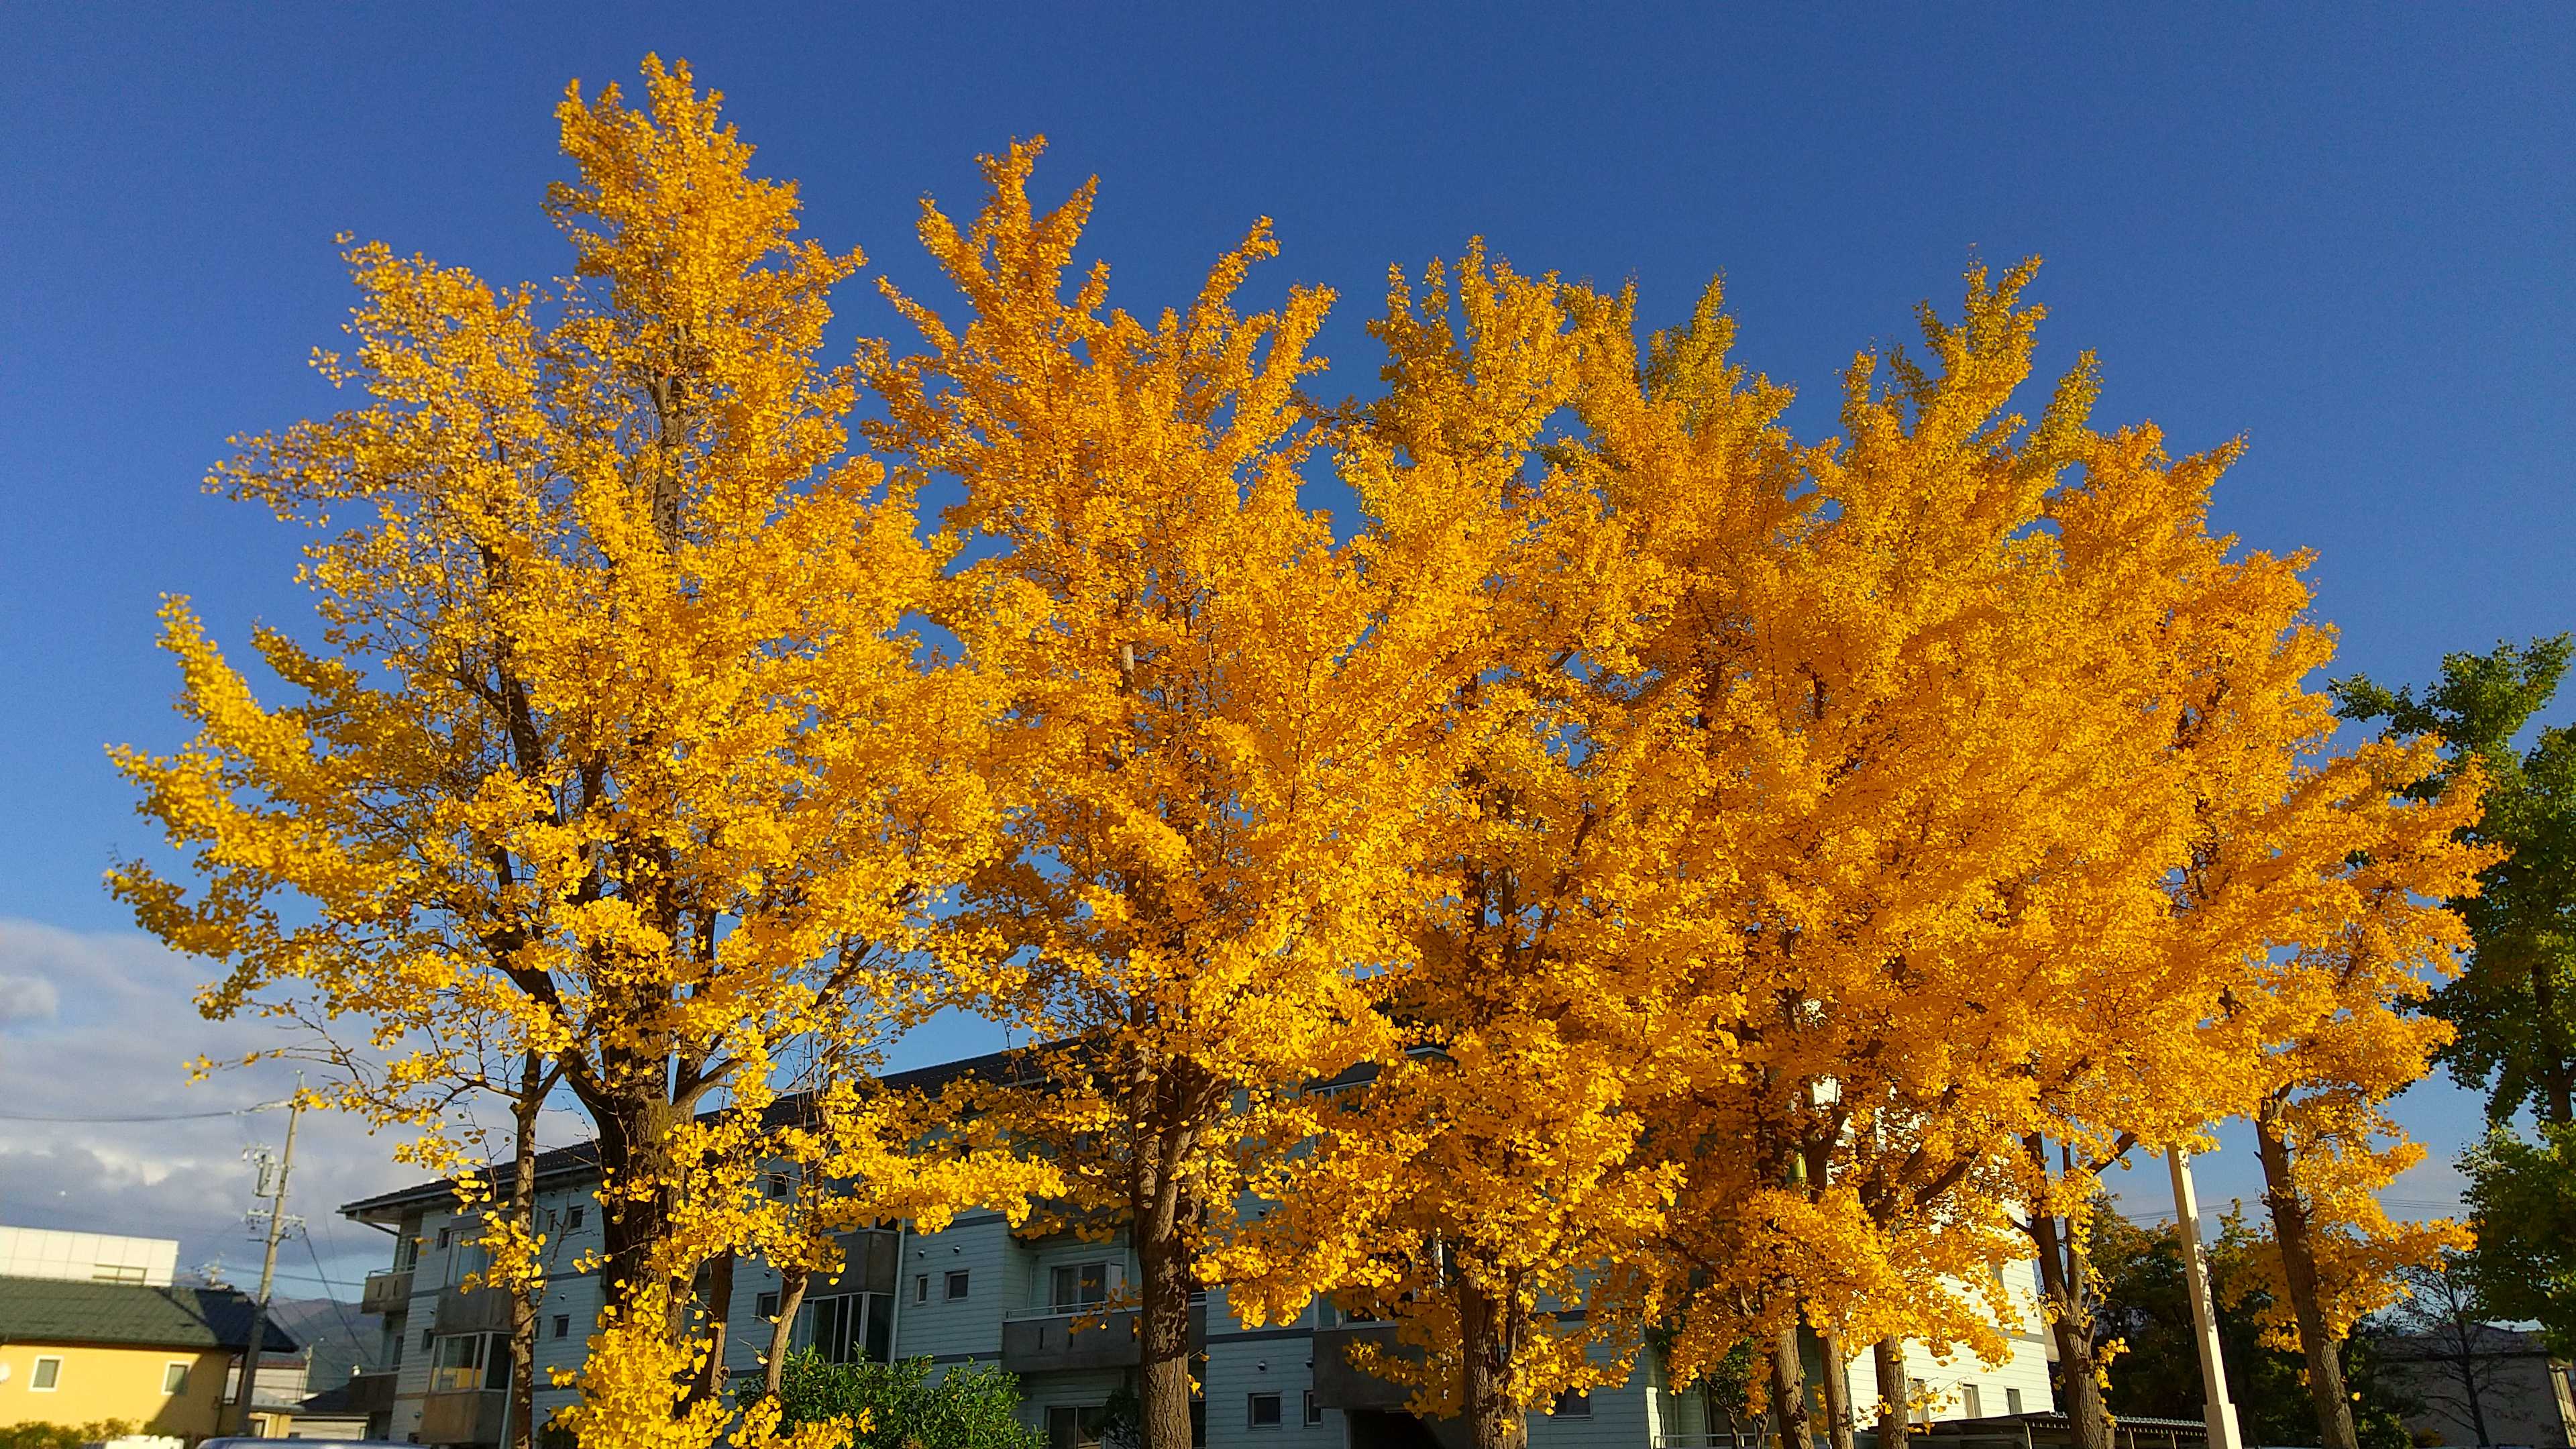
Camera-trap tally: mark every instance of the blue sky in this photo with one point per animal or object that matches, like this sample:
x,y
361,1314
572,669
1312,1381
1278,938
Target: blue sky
x,y
2344,234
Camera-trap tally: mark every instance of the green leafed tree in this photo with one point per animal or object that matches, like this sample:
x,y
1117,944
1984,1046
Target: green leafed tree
x,y
2515,1005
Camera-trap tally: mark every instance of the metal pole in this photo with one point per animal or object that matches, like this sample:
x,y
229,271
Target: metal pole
x,y
268,1260
2217,1412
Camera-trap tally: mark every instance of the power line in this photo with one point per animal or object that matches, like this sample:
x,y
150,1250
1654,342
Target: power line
x,y
338,1308
166,1117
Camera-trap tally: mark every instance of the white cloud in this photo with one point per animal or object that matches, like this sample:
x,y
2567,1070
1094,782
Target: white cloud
x,y
27,998
109,1036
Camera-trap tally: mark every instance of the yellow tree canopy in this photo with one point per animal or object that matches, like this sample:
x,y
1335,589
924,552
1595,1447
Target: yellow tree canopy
x,y
615,741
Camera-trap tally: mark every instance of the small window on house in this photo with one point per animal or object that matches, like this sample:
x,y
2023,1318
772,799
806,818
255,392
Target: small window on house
x,y
778,1185
1076,1426
563,1325
443,1235
572,1218
1263,1411
1572,1404
1971,1403
47,1377
921,1289
174,1378
2012,1401
1314,1408
765,1308
427,1336
956,1286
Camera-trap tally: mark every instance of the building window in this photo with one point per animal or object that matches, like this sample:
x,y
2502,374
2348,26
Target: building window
x,y
2012,1401
921,1289
174,1378
427,1335
1971,1403
563,1325
572,1218
956,1286
765,1308
778,1185
1572,1404
1075,1426
1078,1285
847,1328
458,1362
1314,1408
47,1377
1261,1411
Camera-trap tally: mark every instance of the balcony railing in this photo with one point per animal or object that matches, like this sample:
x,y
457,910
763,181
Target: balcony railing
x,y
1097,1336
386,1292
485,1310
467,1416
1339,1385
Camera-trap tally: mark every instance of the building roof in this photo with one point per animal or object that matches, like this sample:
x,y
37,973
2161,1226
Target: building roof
x,y
581,1160
45,1310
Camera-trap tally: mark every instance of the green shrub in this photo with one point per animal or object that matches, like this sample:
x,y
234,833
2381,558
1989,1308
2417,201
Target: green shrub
x,y
971,1406
61,1436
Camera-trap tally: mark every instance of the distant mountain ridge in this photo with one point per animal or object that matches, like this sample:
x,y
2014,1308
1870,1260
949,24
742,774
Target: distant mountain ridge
x,y
342,1339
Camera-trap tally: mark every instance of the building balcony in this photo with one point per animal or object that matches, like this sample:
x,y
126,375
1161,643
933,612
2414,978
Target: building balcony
x,y
1046,1340
1340,1386
469,1416
484,1310
386,1293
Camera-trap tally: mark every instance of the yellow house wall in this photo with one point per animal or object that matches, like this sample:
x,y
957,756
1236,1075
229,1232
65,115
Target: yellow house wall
x,y
114,1383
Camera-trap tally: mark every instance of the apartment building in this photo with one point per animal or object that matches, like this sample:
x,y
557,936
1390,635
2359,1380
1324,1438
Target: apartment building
x,y
980,1292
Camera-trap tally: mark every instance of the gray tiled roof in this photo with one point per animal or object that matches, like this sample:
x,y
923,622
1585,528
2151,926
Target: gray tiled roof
x,y
47,1310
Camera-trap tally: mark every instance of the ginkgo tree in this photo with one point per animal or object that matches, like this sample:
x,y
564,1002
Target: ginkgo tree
x,y
1221,726
1479,1188
615,732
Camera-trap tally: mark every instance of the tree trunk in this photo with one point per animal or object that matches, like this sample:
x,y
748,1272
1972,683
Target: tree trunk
x,y
2070,1324
710,1380
1163,1323
2557,1074
1487,1337
1837,1387
1893,1391
523,1211
1789,1391
2299,1276
634,1152
791,1297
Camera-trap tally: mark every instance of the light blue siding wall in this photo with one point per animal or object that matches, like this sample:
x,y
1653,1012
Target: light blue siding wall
x,y
941,1328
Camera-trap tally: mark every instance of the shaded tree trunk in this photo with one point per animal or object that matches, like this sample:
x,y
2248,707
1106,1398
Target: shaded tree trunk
x,y
1837,1387
718,1300
1487,1339
1163,1316
1889,1354
1789,1391
534,1082
2557,1074
635,1197
2299,1275
791,1298
2062,1273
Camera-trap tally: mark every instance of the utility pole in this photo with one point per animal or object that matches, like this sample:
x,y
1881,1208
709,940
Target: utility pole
x,y
2217,1412
277,1223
